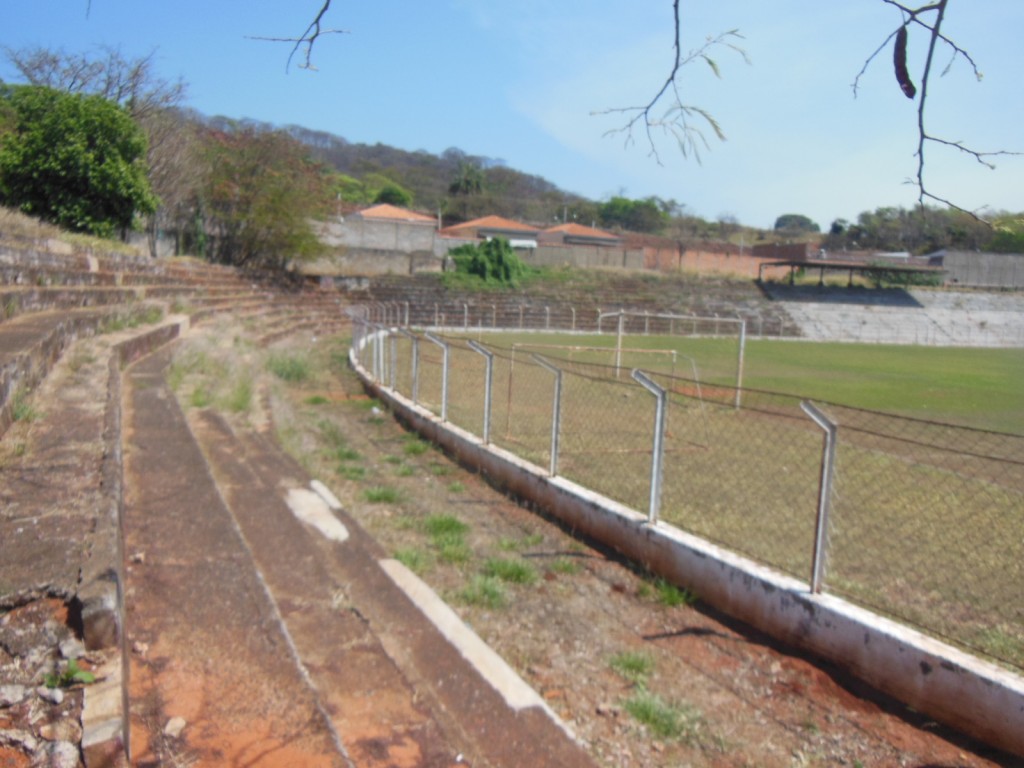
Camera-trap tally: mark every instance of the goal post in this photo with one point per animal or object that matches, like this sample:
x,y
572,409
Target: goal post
x,y
633,323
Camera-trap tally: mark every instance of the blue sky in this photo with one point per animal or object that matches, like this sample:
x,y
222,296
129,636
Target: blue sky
x,y
521,81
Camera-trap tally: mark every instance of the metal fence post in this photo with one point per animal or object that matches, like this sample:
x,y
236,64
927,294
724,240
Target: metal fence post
x,y
828,464
444,374
658,449
394,359
375,353
488,377
739,363
415,362
556,411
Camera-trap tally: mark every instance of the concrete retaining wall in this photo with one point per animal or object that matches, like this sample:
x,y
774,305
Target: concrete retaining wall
x,y
984,270
585,256
952,687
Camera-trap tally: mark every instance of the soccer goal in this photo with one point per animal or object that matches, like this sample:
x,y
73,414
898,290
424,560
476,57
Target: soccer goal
x,y
671,330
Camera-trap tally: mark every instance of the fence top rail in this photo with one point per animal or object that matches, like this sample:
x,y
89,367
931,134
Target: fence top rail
x,y
670,316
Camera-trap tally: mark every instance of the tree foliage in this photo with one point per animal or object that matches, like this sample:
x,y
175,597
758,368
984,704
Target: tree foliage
x,y
634,215
493,261
175,172
795,223
74,160
394,194
915,231
260,194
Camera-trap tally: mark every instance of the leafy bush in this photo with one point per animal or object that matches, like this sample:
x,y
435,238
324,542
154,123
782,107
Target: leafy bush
x,y
72,160
492,261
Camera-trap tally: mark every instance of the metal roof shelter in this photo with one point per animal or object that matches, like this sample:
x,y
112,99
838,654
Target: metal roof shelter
x,y
850,267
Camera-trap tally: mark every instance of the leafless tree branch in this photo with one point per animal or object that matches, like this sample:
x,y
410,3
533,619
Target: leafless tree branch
x,y
307,40
930,18
678,120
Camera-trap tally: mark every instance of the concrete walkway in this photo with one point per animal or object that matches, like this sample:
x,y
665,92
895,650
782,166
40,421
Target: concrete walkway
x,y
267,629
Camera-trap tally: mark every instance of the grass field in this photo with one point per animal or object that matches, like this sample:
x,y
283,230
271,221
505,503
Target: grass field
x,y
981,388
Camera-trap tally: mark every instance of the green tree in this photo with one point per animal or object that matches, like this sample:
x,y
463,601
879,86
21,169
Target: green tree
x,y
492,261
74,160
795,223
634,215
261,193
394,194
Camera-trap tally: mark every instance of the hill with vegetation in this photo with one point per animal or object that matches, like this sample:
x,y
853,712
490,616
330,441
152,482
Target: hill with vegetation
x,y
104,144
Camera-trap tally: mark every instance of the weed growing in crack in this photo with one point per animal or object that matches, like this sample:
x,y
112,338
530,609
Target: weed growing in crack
x,y
22,409
671,596
416,560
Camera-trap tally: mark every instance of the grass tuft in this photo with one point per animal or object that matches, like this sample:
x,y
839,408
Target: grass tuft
x,y
381,494
634,666
511,571
485,591
664,720
290,368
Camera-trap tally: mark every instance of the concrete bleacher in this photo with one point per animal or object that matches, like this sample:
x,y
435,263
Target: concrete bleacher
x,y
60,441
912,316
574,303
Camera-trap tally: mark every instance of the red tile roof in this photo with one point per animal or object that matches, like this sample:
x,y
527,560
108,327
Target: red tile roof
x,y
393,213
578,230
492,222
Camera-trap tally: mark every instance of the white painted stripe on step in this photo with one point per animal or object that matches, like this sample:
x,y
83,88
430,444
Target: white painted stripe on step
x,y
516,692
312,510
325,493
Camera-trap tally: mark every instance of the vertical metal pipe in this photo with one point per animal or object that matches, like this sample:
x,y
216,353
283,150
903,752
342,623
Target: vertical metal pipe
x,y
394,359
828,464
556,411
658,448
618,344
444,374
739,363
488,377
415,361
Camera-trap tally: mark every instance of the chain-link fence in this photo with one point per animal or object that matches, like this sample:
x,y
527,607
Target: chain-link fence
x,y
920,521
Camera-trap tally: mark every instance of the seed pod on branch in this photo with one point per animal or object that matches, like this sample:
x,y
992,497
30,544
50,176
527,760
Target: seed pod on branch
x,y
899,61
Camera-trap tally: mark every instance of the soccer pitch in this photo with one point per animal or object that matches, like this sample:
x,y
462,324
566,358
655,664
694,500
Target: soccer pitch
x,y
981,388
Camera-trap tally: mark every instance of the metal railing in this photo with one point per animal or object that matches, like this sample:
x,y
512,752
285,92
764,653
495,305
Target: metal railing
x,y
920,521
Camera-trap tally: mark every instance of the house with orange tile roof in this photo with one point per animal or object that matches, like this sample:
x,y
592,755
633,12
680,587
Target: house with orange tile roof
x,y
577,234
519,234
387,212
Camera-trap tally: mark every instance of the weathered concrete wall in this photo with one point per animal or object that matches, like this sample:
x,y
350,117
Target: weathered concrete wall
x,y
377,235
984,270
722,263
712,259
587,256
952,687
363,262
